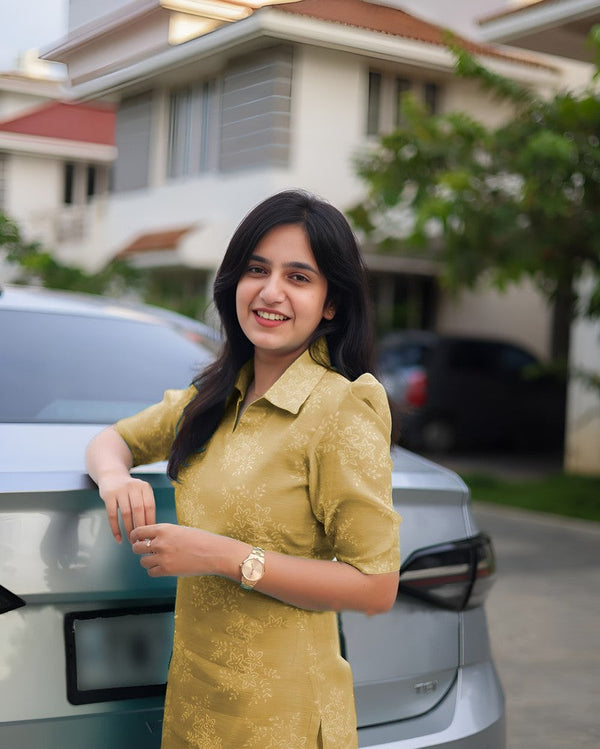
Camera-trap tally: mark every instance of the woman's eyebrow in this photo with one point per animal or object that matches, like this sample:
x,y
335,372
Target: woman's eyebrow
x,y
293,264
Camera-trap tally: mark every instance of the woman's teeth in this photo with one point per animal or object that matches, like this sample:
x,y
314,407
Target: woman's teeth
x,y
270,316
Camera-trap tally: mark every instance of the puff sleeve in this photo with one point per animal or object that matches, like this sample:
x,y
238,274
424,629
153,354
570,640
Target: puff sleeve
x,y
149,434
351,479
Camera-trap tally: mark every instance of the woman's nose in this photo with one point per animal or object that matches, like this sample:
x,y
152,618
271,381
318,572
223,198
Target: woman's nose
x,y
272,291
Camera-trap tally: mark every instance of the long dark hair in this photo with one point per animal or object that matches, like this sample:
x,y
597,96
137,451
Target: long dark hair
x,y
349,334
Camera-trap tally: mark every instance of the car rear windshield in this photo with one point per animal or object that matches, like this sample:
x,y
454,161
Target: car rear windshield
x,y
403,356
79,369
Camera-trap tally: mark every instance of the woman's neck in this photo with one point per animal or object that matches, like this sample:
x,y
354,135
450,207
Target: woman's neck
x,y
268,370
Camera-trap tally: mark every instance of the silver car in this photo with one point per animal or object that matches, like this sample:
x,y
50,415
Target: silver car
x,y
84,632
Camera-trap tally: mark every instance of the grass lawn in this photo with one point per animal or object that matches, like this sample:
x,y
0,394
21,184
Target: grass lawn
x,y
562,494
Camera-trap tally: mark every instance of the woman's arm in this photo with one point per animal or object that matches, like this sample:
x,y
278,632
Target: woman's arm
x,y
315,584
108,462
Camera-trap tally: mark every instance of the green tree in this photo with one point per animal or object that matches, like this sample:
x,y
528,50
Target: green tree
x,y
37,265
500,204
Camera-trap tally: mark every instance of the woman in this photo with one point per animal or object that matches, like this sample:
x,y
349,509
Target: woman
x,y
279,453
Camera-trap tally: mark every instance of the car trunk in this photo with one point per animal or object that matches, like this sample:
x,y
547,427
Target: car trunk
x,y
83,595
405,661
57,553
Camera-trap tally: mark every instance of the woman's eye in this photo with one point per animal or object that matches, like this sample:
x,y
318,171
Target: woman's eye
x,y
255,269
300,277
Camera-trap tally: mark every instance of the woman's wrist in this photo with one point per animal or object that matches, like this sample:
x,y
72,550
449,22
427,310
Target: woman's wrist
x,y
231,557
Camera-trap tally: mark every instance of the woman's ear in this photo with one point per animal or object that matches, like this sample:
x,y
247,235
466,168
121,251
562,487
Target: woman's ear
x,y
329,310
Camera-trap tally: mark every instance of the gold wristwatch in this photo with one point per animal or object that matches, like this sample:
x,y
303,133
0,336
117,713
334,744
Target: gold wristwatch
x,y
253,568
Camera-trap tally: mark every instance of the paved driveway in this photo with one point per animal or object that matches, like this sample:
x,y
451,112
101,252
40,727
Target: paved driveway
x,y
544,617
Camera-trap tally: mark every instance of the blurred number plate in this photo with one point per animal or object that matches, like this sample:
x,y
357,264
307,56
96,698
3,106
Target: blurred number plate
x,y
118,654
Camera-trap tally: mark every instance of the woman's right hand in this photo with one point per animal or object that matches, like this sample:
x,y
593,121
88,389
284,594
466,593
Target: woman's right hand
x,y
131,497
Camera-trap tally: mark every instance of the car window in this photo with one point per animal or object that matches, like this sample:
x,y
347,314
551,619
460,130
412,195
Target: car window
x,y
489,357
514,361
473,356
78,369
403,357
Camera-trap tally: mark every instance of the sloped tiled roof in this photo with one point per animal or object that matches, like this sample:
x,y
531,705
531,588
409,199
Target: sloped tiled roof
x,y
89,123
154,241
385,19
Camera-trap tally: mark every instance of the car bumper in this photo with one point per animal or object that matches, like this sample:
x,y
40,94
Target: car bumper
x,y
471,716
92,731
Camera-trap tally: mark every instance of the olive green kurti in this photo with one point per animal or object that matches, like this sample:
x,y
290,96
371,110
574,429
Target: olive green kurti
x,y
305,471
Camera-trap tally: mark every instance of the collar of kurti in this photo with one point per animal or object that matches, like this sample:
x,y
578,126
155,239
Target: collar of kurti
x,y
296,383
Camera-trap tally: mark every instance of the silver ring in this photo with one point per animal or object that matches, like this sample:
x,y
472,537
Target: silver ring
x,y
148,542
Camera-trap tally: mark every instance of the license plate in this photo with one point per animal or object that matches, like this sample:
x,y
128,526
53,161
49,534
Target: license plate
x,y
117,654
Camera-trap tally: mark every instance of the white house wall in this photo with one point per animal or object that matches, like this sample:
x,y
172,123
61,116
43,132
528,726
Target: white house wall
x,y
328,123
582,453
519,314
35,187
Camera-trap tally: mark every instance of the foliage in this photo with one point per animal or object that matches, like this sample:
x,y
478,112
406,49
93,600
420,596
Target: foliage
x,y
562,494
496,204
37,266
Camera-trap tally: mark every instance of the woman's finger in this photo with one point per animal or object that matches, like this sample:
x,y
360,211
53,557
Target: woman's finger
x,y
113,519
143,546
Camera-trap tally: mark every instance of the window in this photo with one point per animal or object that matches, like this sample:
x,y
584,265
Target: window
x,y
90,182
374,105
431,97
69,191
82,182
93,376
403,85
3,179
190,116
385,95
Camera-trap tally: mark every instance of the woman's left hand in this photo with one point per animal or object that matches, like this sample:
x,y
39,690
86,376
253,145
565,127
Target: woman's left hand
x,y
168,549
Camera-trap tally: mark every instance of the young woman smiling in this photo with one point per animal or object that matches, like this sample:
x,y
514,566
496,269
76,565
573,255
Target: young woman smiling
x,y
279,454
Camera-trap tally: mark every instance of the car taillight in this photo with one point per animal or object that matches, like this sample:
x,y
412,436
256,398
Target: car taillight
x,y
416,389
9,601
456,575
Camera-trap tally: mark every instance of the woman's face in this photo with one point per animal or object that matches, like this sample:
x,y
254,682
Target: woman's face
x,y
282,296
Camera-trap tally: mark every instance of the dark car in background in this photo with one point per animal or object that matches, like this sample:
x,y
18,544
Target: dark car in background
x,y
465,392
85,634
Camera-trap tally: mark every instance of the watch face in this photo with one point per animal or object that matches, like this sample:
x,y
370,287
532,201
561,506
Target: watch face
x,y
252,569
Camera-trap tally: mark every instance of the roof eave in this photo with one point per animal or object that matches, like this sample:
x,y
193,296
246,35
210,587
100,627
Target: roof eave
x,y
269,22
510,26
39,145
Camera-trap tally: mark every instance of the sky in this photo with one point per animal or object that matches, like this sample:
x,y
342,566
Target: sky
x,y
27,24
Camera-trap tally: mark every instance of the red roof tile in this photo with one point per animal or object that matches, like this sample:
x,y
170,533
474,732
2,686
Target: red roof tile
x,y
167,239
90,123
388,20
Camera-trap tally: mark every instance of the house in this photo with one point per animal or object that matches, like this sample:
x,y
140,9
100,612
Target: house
x,y
55,158
562,27
553,27
222,103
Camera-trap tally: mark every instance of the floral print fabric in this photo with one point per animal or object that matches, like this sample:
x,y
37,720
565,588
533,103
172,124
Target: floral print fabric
x,y
305,471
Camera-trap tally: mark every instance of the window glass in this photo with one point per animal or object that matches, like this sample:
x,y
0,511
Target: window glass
x,y
374,103
80,369
402,357
189,130
90,187
513,360
475,356
69,184
431,97
403,85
